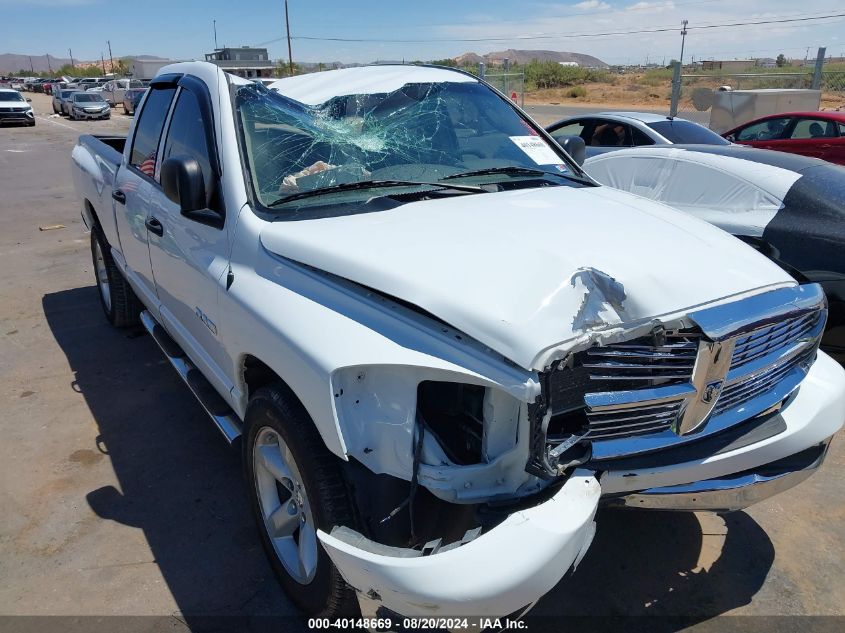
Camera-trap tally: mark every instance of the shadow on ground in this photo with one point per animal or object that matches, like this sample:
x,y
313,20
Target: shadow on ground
x,y
182,485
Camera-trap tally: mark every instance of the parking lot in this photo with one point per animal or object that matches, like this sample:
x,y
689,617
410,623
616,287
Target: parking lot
x,y
120,497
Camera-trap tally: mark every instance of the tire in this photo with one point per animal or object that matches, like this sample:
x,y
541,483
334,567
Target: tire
x,y
55,110
120,305
277,422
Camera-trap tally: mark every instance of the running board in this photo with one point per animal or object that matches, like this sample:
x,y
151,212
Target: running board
x,y
221,413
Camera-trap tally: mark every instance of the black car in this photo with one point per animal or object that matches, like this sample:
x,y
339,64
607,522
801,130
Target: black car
x,y
791,208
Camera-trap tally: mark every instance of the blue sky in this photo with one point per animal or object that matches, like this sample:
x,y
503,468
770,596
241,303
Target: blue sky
x,y
182,29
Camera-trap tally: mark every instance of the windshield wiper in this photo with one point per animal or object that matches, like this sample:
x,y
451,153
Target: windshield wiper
x,y
373,184
514,171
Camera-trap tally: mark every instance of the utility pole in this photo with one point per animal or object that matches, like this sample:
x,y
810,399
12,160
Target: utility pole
x,y
215,35
111,59
49,65
287,26
70,52
31,67
102,59
683,40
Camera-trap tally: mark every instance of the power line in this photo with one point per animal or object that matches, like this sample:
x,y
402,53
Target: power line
x,y
559,36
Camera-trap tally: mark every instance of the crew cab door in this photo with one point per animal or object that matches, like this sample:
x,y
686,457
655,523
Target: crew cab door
x,y
134,186
190,254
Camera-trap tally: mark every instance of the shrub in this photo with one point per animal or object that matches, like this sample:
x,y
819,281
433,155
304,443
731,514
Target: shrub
x,y
576,91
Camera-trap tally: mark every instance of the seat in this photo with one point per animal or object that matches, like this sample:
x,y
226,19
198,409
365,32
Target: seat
x,y
816,130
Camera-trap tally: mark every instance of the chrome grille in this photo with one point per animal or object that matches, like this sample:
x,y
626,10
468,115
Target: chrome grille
x,y
765,340
632,421
758,383
642,362
763,370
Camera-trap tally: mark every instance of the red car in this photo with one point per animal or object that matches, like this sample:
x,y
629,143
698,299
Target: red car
x,y
816,134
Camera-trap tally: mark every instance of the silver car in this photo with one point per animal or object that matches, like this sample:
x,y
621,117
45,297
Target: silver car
x,y
88,105
609,131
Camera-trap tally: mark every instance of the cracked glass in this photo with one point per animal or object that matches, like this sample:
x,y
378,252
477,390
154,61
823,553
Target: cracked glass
x,y
420,133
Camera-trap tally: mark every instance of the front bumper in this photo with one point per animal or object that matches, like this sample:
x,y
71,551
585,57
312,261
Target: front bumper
x,y
105,114
17,117
734,479
734,492
504,570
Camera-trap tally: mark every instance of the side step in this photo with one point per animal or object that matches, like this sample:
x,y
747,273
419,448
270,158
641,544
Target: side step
x,y
221,413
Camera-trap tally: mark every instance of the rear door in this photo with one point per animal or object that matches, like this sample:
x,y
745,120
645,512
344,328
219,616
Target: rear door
x,y
189,255
812,136
134,186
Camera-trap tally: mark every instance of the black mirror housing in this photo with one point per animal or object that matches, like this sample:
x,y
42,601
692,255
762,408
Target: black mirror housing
x,y
575,147
183,183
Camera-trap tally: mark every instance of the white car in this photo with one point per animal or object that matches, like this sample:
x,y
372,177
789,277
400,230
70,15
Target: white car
x,y
440,344
114,90
14,108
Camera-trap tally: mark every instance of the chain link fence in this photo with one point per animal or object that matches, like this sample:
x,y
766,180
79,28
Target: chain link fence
x,y
692,95
511,84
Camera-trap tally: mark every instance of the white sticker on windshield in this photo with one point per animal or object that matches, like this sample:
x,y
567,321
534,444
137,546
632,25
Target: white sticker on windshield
x,y
537,149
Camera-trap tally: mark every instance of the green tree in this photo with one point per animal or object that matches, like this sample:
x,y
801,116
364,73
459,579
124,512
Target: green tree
x,y
781,61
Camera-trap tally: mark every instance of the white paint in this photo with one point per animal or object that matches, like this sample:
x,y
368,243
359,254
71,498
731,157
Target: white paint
x,y
499,572
497,266
317,88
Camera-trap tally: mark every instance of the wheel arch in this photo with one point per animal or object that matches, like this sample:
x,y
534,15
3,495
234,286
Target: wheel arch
x,y
256,373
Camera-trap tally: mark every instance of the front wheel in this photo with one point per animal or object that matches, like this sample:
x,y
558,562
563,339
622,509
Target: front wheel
x,y
296,487
117,298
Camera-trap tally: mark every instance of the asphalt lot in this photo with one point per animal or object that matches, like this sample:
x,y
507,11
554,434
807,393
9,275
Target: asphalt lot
x,y
120,497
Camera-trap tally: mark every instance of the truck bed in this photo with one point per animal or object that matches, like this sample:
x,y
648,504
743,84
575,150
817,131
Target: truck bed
x,y
96,161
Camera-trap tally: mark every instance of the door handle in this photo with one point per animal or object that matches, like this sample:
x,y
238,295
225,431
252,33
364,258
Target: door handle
x,y
825,146
118,196
154,226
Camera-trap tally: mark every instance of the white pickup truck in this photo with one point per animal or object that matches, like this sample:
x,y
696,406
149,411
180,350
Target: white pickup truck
x,y
440,343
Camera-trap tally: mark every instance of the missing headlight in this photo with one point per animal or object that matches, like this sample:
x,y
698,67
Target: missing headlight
x,y
453,413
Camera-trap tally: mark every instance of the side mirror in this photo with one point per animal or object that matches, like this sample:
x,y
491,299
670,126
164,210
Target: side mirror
x,y
183,183
28,100
575,147
731,138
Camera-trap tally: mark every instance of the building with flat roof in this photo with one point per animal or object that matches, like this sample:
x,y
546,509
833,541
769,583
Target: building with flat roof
x,y
243,61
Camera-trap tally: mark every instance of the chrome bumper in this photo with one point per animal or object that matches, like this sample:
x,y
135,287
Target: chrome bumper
x,y
732,492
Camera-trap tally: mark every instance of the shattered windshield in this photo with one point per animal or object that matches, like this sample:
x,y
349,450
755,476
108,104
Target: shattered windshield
x,y
426,133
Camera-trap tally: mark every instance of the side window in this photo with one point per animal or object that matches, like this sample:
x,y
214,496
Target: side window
x,y
638,137
813,128
576,128
148,131
186,135
768,130
610,134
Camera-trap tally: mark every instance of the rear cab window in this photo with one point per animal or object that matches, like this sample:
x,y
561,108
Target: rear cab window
x,y
148,130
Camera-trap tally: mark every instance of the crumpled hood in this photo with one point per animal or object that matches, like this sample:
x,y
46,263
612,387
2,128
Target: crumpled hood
x,y
526,271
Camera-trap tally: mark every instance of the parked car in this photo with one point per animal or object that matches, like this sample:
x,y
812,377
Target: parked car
x,y
131,98
87,105
61,100
14,108
89,82
114,90
790,208
440,343
815,134
609,131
